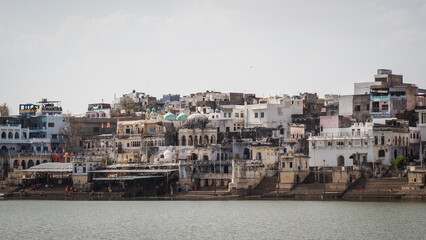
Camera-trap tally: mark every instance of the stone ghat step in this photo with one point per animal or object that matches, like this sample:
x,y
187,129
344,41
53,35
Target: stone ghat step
x,y
206,193
308,186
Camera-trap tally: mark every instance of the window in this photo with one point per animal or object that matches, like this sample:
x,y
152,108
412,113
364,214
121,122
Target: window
x,y
262,115
423,117
241,115
237,115
51,124
381,153
383,140
375,107
357,108
283,165
54,136
291,164
256,115
385,107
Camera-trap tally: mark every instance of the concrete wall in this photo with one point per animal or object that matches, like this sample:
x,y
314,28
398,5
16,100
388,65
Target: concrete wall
x,y
346,105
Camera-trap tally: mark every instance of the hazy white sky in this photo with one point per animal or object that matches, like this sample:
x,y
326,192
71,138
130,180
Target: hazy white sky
x,y
81,52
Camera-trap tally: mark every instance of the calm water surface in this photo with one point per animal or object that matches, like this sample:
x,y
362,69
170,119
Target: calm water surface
x,y
32,219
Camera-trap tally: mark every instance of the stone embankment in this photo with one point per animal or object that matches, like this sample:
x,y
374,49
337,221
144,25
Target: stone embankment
x,y
365,189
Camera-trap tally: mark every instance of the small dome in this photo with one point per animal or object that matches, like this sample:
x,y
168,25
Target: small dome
x,y
148,111
154,110
217,111
168,155
169,116
197,120
182,117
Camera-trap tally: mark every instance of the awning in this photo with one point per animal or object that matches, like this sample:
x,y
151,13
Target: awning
x,y
124,178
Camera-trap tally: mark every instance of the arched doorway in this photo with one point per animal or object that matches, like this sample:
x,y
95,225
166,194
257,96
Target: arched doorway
x,y
183,143
190,141
340,161
15,164
23,164
246,153
38,162
30,163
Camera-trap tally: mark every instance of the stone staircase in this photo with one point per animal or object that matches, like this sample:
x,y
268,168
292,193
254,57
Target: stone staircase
x,y
308,190
268,185
386,187
203,193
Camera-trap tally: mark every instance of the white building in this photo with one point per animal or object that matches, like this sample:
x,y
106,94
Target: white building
x,y
337,146
273,113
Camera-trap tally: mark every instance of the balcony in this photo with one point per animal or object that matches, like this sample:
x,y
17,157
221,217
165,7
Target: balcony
x,y
380,98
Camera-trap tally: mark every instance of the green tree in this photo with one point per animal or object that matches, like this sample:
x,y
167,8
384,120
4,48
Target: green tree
x,y
4,110
400,163
126,103
109,160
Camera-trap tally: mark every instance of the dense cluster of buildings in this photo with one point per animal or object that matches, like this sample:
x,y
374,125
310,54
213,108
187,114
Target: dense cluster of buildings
x,y
139,144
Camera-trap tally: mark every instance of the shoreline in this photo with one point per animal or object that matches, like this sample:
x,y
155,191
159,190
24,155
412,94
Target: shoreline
x,y
83,196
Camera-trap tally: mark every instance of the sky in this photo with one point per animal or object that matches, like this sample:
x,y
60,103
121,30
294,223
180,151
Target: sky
x,y
82,52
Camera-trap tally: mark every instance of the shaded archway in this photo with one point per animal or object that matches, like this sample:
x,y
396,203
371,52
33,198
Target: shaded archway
x,y
44,161
3,135
10,135
194,156
16,135
15,164
246,153
30,163
205,157
206,140
183,143
23,164
38,162
190,140
340,161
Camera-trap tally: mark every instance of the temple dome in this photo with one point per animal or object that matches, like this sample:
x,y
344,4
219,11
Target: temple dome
x,y
169,116
197,120
182,117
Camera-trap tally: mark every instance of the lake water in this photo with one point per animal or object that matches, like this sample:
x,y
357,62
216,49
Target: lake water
x,y
38,219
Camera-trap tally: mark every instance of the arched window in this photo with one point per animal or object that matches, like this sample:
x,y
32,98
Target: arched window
x,y
16,135
340,161
205,157
24,135
190,141
246,153
10,135
259,155
3,135
183,141
195,140
206,139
